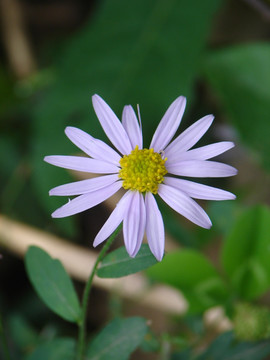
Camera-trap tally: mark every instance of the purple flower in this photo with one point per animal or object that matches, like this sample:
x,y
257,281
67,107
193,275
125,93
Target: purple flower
x,y
143,173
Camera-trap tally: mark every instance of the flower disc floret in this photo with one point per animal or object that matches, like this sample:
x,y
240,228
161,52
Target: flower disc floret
x,y
142,170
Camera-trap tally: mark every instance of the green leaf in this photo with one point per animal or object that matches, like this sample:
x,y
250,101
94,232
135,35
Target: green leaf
x,y
117,340
52,283
240,77
21,332
225,347
118,55
57,349
118,263
246,253
194,275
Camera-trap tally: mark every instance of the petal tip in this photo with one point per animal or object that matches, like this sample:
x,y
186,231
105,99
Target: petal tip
x,y
46,159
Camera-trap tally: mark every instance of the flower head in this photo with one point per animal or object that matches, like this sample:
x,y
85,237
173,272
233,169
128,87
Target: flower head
x,y
143,173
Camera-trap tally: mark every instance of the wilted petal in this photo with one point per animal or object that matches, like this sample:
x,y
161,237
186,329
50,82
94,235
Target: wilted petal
x,y
154,227
184,205
87,201
111,125
95,148
114,219
189,137
168,124
131,125
84,186
199,191
134,224
82,164
200,168
203,153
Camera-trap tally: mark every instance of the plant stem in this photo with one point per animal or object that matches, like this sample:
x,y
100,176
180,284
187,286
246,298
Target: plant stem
x,y
4,341
82,324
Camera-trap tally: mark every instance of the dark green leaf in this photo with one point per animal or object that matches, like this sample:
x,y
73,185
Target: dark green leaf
x,y
117,340
118,263
57,349
52,283
240,76
194,275
226,348
23,335
246,253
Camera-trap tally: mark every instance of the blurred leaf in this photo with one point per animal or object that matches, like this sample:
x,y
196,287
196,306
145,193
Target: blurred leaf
x,y
118,54
23,335
222,214
194,275
226,348
7,98
57,349
150,342
117,340
246,253
52,283
118,263
240,76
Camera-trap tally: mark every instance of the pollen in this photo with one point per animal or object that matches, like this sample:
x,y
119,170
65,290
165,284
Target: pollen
x,y
142,170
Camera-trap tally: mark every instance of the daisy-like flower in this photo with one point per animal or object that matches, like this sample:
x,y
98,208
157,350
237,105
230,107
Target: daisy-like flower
x,y
144,173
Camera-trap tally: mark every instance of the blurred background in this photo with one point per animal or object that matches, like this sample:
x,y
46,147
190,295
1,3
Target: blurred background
x,y
54,55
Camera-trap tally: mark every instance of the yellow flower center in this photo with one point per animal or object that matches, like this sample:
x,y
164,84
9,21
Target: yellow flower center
x,y
142,170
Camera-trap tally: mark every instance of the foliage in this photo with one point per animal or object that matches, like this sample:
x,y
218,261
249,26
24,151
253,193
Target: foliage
x,y
117,340
118,263
145,52
52,284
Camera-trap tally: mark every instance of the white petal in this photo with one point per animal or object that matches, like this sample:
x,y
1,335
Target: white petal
x,y
111,125
114,219
142,225
84,186
131,125
86,201
199,191
189,137
200,168
203,153
95,148
134,224
184,205
154,227
168,124
208,151
82,164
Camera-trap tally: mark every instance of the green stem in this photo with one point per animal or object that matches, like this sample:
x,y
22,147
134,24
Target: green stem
x,y
4,341
82,324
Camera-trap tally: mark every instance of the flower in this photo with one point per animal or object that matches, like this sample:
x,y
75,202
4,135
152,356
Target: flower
x,y
143,173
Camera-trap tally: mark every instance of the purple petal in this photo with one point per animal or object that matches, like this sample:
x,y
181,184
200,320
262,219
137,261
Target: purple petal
x,y
131,125
111,125
84,186
199,191
154,227
168,124
87,201
95,148
200,168
82,164
204,152
189,137
184,205
134,224
114,219
142,226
